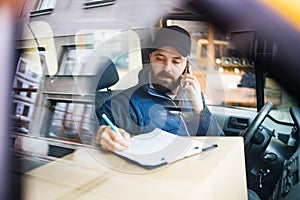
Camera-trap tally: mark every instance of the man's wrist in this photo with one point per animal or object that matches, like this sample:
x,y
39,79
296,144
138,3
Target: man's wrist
x,y
199,109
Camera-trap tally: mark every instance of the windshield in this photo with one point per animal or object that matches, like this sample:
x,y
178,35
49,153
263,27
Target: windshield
x,y
228,75
52,75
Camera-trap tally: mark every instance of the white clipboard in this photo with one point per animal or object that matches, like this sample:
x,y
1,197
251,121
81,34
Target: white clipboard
x,y
159,147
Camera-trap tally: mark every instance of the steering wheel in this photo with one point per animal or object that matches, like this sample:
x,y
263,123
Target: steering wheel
x,y
250,131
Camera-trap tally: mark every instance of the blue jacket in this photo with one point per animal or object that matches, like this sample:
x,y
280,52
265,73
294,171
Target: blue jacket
x,y
141,108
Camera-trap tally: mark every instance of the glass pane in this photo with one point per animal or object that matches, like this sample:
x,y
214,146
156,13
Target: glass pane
x,y
45,4
224,78
25,83
72,58
72,121
281,100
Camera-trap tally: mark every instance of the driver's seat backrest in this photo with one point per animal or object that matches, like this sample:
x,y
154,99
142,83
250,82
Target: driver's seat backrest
x,y
107,77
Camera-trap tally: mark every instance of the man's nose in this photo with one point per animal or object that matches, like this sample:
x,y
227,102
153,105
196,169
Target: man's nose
x,y
168,65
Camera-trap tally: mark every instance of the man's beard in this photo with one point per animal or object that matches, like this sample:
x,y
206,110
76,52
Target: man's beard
x,y
164,86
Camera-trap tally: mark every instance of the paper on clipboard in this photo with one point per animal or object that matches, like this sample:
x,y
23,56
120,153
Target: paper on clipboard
x,y
159,147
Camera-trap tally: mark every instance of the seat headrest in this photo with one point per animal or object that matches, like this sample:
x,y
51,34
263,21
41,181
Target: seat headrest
x,y
107,72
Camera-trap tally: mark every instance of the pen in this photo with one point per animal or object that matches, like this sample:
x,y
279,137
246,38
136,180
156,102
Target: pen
x,y
210,147
112,126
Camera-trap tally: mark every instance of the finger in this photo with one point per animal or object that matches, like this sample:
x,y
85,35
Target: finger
x,y
190,77
99,133
188,82
106,135
112,146
126,135
192,80
184,81
114,137
189,69
110,141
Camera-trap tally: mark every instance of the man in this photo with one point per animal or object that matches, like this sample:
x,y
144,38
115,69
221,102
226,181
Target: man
x,y
168,97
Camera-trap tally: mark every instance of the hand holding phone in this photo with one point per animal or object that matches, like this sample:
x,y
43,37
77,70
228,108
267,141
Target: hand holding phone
x,y
191,90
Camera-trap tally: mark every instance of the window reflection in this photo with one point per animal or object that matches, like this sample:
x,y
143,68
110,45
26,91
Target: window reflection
x,y
71,122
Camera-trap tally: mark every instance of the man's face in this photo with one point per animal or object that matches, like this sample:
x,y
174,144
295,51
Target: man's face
x,y
167,66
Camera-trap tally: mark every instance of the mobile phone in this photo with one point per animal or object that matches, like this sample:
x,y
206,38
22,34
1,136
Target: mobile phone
x,y
185,71
187,68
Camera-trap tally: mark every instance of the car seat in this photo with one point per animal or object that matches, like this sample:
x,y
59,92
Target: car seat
x,y
107,77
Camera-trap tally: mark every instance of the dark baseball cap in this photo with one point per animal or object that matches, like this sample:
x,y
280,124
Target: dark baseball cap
x,y
173,36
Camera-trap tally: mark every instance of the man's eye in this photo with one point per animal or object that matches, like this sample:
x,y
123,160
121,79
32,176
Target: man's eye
x,y
176,61
159,58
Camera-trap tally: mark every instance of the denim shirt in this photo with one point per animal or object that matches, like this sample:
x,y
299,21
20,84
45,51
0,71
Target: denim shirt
x,y
140,109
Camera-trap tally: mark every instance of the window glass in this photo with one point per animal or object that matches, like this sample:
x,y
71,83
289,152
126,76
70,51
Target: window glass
x,y
210,63
26,111
203,51
94,3
113,43
282,101
38,49
29,93
25,85
18,84
21,113
71,121
98,42
217,51
21,66
72,57
48,91
29,65
45,4
219,60
122,47
99,1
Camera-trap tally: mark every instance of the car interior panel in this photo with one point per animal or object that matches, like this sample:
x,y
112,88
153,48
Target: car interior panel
x,y
246,65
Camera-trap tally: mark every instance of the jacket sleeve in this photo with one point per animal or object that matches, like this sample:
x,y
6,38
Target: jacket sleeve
x,y
106,108
121,113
